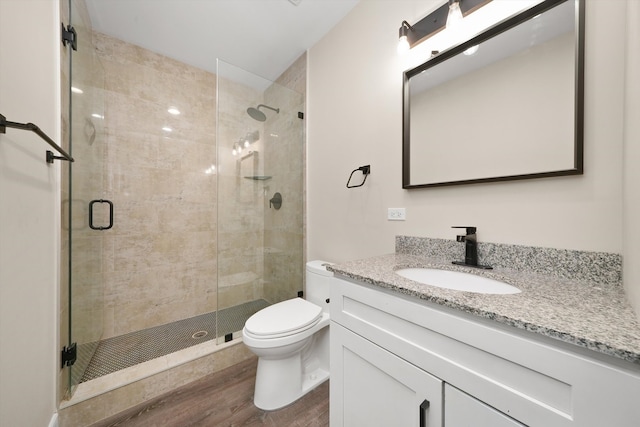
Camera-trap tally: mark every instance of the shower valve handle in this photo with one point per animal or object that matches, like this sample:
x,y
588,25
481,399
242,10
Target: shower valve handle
x,y
276,201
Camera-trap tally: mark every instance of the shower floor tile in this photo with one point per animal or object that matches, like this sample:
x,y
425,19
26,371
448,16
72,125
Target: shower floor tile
x,y
114,354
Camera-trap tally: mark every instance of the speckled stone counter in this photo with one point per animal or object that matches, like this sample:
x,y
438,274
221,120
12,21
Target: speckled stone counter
x,y
589,311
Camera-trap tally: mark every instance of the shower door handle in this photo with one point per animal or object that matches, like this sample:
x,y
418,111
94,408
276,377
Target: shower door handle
x,y
93,202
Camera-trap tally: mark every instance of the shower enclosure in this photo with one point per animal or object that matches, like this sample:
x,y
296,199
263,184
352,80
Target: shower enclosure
x,y
260,189
185,213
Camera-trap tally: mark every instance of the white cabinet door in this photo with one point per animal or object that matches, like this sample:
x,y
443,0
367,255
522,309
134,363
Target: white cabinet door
x,y
372,387
462,410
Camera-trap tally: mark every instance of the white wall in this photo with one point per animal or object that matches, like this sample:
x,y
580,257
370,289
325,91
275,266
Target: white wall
x,y
631,229
354,119
29,212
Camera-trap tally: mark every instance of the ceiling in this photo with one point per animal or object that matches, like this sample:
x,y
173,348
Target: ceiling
x,y
261,36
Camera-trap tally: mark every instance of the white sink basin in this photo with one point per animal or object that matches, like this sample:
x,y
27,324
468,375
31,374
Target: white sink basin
x,y
457,280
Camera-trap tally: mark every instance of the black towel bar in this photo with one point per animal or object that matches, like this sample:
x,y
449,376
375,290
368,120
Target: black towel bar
x,y
4,124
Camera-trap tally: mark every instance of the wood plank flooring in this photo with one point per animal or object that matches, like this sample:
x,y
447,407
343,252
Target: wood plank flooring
x,y
223,399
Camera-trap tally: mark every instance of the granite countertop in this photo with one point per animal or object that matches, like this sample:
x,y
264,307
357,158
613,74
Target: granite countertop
x,y
584,313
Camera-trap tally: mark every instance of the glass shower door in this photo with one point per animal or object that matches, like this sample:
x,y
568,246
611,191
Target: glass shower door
x,y
90,215
260,195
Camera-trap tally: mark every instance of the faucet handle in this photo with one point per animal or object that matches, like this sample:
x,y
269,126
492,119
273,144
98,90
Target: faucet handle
x,y
469,229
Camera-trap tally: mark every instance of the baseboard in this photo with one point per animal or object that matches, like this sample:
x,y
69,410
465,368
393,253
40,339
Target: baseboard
x,y
54,420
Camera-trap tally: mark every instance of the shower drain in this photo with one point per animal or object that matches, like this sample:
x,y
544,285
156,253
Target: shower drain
x,y
199,334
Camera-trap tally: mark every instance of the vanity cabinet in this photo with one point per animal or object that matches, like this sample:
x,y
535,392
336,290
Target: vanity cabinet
x,y
391,353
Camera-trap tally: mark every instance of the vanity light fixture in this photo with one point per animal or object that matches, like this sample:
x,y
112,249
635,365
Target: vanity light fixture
x,y
403,41
448,16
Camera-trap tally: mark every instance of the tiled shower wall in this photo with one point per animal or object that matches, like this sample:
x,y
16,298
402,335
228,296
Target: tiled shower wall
x,y
160,255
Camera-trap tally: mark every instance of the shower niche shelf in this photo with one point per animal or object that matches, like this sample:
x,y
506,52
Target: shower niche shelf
x,y
258,177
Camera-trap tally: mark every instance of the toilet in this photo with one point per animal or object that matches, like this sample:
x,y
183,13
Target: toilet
x,y
291,340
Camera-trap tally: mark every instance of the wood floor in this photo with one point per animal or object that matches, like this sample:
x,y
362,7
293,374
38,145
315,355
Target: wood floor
x,y
223,399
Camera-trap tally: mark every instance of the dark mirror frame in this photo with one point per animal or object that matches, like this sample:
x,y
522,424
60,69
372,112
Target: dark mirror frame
x,y
499,28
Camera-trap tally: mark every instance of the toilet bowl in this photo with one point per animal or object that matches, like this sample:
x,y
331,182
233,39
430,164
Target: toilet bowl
x,y
291,340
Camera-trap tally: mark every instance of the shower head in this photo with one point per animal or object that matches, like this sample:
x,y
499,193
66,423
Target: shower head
x,y
258,115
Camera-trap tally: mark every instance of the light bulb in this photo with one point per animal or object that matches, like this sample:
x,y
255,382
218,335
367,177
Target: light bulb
x,y
455,15
403,40
403,45
471,50
234,152
246,143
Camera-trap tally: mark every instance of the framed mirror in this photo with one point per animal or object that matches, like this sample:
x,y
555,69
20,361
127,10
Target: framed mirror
x,y
504,105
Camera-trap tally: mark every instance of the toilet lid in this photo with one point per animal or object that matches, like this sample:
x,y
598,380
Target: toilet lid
x,y
285,317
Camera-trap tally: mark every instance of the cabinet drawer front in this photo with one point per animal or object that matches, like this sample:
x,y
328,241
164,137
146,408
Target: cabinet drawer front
x,y
373,387
462,410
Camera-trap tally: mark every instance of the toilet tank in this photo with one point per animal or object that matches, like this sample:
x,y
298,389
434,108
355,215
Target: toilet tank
x,y
318,282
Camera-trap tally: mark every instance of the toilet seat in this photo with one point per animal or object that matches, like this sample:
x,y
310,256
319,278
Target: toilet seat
x,y
283,319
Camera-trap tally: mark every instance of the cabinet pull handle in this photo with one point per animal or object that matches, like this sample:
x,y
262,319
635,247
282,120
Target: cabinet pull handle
x,y
424,406
93,202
